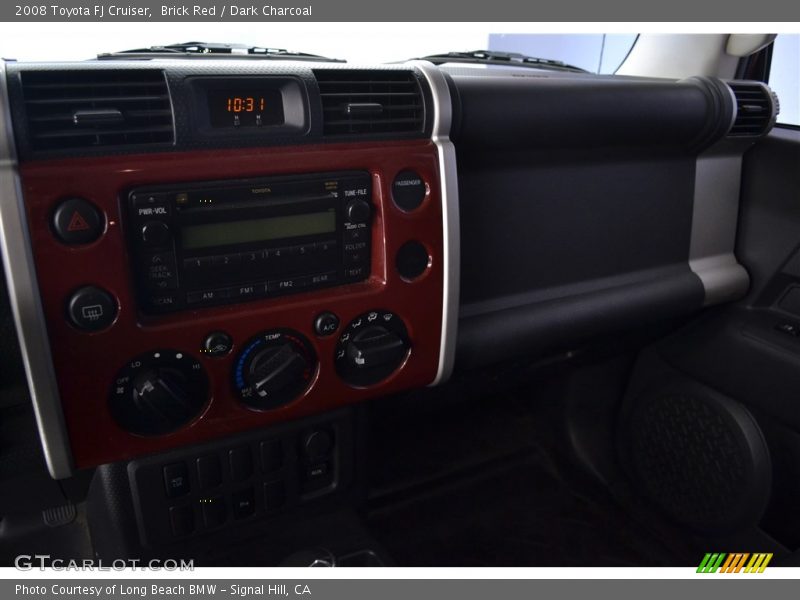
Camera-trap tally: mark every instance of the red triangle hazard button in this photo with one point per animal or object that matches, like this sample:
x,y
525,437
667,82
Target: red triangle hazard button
x,y
77,223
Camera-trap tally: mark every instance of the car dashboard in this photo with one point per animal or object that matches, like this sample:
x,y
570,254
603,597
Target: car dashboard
x,y
211,262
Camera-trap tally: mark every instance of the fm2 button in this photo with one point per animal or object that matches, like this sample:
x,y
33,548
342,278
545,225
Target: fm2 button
x,y
76,221
91,308
326,324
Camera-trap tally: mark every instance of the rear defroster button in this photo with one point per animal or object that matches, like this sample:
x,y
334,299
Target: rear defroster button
x,y
91,308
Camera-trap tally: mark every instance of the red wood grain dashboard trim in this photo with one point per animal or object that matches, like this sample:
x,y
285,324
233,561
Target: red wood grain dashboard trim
x,y
86,364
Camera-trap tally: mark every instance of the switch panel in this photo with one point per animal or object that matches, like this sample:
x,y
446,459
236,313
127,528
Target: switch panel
x,y
238,480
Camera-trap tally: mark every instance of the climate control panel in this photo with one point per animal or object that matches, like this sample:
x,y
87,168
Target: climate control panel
x,y
159,392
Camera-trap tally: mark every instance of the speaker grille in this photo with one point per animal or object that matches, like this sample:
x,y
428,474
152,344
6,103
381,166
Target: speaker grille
x,y
700,457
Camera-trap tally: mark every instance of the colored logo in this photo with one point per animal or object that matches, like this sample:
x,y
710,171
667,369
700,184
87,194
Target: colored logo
x,y
738,562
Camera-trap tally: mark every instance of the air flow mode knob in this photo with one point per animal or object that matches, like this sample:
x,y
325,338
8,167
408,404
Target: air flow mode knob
x,y
371,348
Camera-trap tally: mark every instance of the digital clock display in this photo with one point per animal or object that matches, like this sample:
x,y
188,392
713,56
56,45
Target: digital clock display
x,y
254,108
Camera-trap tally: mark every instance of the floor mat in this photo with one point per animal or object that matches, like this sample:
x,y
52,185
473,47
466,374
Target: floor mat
x,y
520,515
484,480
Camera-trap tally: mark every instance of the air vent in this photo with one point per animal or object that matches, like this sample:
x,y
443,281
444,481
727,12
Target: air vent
x,y
98,108
754,109
371,102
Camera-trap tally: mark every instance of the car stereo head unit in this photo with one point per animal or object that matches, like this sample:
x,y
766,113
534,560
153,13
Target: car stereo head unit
x,y
220,242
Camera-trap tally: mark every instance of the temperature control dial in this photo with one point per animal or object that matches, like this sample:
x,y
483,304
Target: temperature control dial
x,y
372,347
274,368
158,392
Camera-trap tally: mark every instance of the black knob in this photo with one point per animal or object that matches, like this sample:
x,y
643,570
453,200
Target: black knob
x,y
371,348
159,392
163,395
155,233
375,347
358,211
274,368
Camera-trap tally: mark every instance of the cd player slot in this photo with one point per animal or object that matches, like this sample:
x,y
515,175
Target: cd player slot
x,y
250,204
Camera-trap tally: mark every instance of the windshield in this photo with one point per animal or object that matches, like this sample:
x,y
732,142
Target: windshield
x,y
593,52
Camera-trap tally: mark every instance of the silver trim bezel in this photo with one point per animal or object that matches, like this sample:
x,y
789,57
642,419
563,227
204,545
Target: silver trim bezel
x,y
715,211
715,219
451,224
734,107
26,306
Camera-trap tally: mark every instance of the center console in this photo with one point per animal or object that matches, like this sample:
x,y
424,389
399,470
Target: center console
x,y
273,285
265,267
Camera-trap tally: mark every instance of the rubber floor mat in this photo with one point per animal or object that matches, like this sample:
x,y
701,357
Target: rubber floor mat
x,y
523,514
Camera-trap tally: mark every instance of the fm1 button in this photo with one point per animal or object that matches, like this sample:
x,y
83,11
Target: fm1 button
x,y
77,221
408,190
326,324
91,308
217,343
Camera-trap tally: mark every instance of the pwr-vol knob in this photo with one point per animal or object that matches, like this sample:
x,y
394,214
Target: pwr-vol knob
x,y
274,368
158,392
372,347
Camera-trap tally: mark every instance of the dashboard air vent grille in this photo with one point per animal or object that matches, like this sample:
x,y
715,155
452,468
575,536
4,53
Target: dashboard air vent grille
x,y
371,102
754,109
97,108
